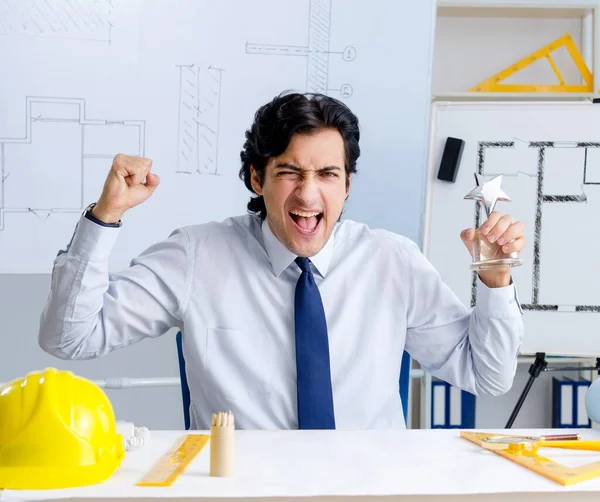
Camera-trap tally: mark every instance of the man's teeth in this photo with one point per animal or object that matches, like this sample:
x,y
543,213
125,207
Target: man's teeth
x,y
305,215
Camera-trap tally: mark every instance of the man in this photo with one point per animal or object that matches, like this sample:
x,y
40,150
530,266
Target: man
x,y
292,317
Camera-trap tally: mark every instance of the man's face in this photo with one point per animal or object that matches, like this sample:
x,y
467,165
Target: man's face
x,y
304,190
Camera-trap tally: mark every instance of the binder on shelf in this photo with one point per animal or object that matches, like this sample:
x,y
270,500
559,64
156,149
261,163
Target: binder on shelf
x,y
568,403
451,408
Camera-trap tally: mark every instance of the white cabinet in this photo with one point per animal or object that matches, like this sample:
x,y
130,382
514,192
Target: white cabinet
x,y
476,40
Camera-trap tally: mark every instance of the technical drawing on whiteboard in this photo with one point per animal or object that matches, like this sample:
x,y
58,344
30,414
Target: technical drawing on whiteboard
x,y
198,119
579,167
44,171
70,19
316,52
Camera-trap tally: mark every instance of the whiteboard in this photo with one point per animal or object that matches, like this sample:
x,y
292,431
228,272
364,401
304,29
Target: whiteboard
x,y
549,156
179,82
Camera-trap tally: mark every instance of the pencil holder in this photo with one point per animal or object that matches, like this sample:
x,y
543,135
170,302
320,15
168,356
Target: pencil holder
x,y
222,444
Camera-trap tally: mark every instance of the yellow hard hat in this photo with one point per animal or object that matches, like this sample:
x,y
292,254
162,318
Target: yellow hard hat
x,y
57,430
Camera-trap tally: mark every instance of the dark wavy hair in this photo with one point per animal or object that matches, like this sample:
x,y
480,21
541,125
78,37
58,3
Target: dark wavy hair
x,y
287,114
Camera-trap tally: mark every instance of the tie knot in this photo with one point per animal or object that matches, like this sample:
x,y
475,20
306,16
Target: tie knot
x,y
304,264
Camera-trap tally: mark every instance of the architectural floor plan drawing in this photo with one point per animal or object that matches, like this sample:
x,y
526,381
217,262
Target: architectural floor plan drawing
x,y
61,154
198,119
317,51
560,197
69,19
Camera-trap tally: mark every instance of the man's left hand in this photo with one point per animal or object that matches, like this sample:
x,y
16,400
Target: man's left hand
x,y
507,235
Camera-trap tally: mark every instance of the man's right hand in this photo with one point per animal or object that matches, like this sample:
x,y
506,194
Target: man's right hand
x,y
128,184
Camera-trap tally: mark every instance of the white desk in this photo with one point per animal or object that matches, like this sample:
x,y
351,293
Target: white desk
x,y
422,465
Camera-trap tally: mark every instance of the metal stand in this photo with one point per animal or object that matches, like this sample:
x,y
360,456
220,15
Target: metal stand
x,y
540,364
535,369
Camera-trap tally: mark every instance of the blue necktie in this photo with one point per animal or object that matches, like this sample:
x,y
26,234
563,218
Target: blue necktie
x,y
315,397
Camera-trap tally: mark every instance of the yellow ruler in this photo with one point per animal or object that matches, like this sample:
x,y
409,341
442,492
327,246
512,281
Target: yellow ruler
x,y
172,463
523,451
494,83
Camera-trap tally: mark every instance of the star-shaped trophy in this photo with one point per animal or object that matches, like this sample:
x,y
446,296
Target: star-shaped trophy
x,y
487,254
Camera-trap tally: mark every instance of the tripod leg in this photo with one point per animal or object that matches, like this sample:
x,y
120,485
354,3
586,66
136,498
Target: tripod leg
x,y
535,369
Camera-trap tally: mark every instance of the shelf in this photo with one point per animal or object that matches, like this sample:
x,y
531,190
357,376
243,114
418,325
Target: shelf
x,y
581,20
514,96
514,12
515,8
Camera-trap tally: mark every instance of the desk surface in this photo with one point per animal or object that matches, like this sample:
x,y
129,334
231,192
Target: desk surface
x,y
424,464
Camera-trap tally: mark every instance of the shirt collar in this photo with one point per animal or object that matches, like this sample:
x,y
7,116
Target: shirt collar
x,y
281,257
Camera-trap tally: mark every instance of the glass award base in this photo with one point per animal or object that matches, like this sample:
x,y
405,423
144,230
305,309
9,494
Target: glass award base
x,y
489,255
500,263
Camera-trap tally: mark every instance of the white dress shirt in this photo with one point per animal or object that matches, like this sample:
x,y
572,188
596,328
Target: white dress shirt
x,y
229,287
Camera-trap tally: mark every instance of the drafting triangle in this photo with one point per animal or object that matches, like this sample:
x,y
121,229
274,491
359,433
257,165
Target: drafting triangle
x,y
561,474
494,83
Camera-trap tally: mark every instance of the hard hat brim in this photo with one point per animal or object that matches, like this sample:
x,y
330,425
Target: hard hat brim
x,y
59,477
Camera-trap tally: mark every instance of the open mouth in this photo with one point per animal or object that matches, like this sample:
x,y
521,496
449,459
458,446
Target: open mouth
x,y
307,222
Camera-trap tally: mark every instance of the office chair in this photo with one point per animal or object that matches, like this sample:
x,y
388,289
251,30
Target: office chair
x,y
404,383
185,390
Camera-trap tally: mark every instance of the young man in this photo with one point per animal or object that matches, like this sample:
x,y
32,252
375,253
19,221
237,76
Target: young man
x,y
292,317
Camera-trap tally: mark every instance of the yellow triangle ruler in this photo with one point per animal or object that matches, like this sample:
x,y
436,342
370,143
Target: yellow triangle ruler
x,y
493,84
523,451
172,463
